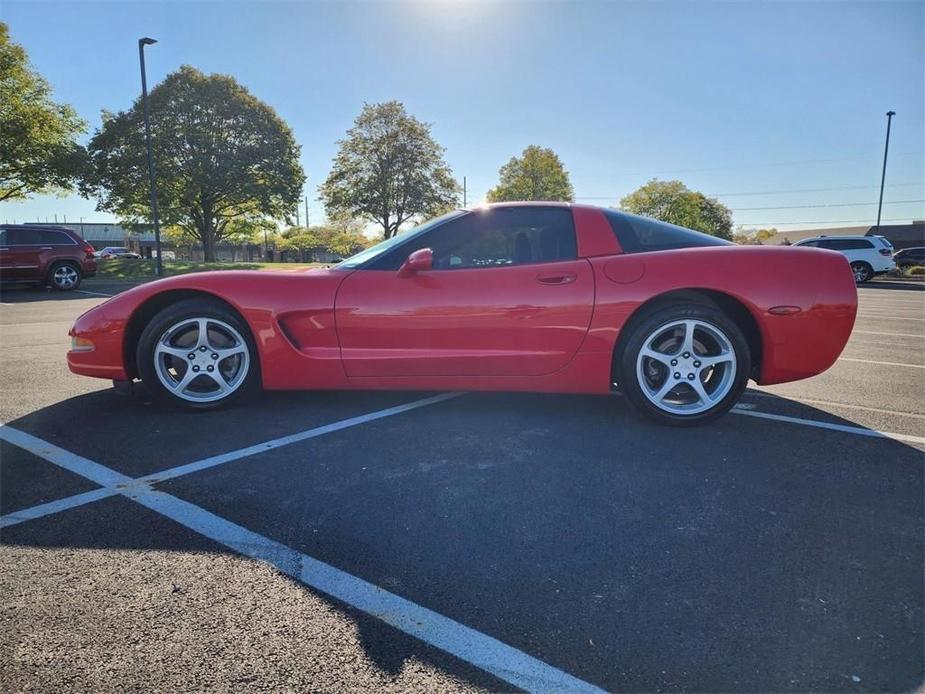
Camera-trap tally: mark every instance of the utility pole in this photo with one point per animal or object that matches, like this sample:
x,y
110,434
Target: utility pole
x,y
464,192
306,212
886,149
159,268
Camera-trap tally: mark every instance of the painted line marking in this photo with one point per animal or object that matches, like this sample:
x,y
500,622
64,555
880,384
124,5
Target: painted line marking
x,y
212,461
830,403
58,506
844,428
883,363
223,458
485,652
84,291
877,332
871,316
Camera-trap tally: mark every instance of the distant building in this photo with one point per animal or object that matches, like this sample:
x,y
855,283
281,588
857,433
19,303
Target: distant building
x,y
900,235
102,234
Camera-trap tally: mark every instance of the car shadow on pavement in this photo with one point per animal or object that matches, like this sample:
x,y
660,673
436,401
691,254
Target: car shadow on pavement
x,y
743,555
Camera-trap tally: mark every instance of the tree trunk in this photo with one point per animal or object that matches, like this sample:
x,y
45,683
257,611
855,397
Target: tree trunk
x,y
208,241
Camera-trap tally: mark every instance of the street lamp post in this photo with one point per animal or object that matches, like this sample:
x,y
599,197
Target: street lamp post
x,y
144,98
886,149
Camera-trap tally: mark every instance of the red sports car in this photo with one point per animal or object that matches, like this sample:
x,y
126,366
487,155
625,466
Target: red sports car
x,y
521,297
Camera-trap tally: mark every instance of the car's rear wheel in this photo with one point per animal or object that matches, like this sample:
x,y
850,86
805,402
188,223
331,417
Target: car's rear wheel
x,y
685,364
64,277
197,354
862,272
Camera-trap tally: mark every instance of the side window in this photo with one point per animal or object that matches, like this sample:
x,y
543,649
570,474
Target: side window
x,y
23,237
809,244
3,241
508,236
857,245
642,234
497,237
53,238
827,243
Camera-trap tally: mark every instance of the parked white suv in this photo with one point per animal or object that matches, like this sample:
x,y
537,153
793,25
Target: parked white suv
x,y
868,255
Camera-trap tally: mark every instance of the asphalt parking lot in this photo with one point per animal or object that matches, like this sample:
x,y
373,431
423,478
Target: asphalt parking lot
x,y
421,541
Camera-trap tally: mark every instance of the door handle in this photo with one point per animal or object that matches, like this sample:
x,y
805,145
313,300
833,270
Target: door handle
x,y
46,248
557,278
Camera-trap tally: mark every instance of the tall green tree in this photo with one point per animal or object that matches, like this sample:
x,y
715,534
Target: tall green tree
x,y
537,174
388,170
38,148
672,201
220,154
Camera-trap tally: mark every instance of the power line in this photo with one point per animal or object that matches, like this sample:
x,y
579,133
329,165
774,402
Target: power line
x,y
826,221
759,166
834,204
775,192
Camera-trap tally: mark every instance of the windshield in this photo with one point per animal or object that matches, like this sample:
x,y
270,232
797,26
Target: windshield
x,y
388,244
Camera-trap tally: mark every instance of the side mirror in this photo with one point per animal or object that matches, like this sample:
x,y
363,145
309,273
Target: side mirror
x,y
419,261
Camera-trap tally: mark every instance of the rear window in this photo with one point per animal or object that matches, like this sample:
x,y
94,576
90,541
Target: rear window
x,y
642,234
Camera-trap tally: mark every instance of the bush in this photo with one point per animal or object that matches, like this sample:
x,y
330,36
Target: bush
x,y
915,270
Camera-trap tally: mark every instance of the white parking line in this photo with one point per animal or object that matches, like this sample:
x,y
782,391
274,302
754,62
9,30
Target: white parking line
x,y
293,438
885,316
212,461
878,332
860,431
485,652
84,291
883,363
831,403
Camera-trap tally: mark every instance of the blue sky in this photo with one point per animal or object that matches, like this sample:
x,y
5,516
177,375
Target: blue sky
x,y
740,100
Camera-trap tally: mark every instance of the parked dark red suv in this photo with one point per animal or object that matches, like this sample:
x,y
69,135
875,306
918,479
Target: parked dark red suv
x,y
54,256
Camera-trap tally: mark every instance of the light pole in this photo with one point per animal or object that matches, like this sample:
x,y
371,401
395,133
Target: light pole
x,y
886,148
159,269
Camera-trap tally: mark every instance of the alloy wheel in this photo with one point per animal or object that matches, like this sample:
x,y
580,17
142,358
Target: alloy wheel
x,y
686,367
201,359
65,277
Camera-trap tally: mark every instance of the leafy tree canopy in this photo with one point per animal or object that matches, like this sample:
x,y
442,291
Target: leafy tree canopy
x,y
537,174
38,151
338,237
672,201
753,237
220,154
389,170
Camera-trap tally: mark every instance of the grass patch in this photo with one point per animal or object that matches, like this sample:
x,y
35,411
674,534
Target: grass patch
x,y
132,269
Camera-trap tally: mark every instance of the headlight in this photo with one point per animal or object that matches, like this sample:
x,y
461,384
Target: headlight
x,y
81,344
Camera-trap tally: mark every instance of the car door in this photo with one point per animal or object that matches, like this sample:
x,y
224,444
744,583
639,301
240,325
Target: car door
x,y
20,254
506,296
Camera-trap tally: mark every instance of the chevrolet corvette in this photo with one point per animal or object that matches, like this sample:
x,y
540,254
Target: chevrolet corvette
x,y
546,297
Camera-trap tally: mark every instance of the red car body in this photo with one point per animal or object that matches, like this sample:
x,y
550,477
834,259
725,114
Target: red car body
x,y
533,327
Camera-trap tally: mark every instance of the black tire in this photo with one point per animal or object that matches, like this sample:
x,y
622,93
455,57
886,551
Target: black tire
x,y
64,276
153,367
862,271
714,323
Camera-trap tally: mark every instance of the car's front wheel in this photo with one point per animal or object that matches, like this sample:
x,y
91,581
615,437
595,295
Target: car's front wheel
x,y
197,354
862,272
685,364
64,277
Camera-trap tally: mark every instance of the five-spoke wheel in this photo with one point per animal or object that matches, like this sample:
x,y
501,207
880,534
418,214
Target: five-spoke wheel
x,y
196,353
64,277
862,272
684,364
